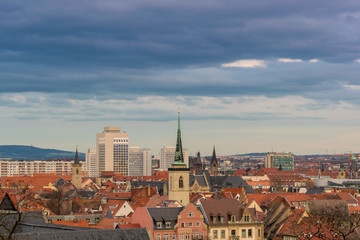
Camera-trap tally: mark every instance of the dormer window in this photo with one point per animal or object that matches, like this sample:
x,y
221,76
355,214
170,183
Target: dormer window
x,y
159,224
233,218
222,219
168,224
214,219
246,219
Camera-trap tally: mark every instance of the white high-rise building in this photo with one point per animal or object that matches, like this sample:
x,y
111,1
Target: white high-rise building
x,y
167,156
112,149
91,163
139,162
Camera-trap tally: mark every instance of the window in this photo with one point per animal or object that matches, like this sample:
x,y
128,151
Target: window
x,y
181,236
215,234
246,219
166,236
181,182
168,224
158,237
214,219
187,236
222,219
233,233
190,224
233,218
190,214
249,233
222,233
182,224
198,224
259,232
173,236
159,224
243,233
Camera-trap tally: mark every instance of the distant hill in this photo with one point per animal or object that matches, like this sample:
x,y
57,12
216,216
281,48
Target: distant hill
x,y
22,152
251,154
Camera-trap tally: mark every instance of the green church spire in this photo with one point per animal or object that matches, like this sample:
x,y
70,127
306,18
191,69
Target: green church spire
x,y
179,158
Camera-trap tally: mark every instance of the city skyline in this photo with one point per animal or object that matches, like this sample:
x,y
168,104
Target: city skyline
x,y
247,76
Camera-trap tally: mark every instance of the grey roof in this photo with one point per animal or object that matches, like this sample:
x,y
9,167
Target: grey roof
x,y
200,179
7,204
34,227
118,234
219,182
315,190
166,214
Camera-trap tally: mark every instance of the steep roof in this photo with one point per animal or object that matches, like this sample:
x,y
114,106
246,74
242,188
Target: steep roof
x,y
164,214
222,207
219,182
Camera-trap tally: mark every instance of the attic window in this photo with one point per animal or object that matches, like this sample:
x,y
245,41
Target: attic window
x,y
246,219
168,224
159,224
233,218
190,214
214,219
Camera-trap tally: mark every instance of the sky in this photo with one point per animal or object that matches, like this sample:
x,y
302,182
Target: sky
x,y
248,76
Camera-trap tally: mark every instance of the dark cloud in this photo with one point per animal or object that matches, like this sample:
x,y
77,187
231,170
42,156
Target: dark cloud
x,y
123,49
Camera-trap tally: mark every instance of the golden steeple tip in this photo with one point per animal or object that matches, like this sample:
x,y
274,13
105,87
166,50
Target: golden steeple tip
x,y
178,111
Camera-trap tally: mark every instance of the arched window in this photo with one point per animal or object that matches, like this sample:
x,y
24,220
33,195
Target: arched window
x,y
77,171
181,182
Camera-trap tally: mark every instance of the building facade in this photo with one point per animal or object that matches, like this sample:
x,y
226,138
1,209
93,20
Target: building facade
x,y
10,168
283,161
112,150
140,162
91,163
167,155
229,219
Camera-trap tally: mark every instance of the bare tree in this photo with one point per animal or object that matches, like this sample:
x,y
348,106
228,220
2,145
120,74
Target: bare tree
x,y
14,208
58,201
325,219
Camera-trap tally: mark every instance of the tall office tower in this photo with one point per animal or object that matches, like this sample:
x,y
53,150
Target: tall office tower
x,y
167,155
284,161
139,162
91,163
112,150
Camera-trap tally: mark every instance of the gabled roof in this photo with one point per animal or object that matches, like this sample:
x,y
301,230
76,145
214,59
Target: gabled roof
x,y
199,178
222,207
219,182
164,214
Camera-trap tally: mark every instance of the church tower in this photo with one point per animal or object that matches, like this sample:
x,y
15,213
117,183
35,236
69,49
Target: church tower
x,y
214,167
76,171
179,174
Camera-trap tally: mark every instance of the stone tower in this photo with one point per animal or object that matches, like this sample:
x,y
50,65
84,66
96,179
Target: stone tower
x,y
179,174
214,167
76,171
